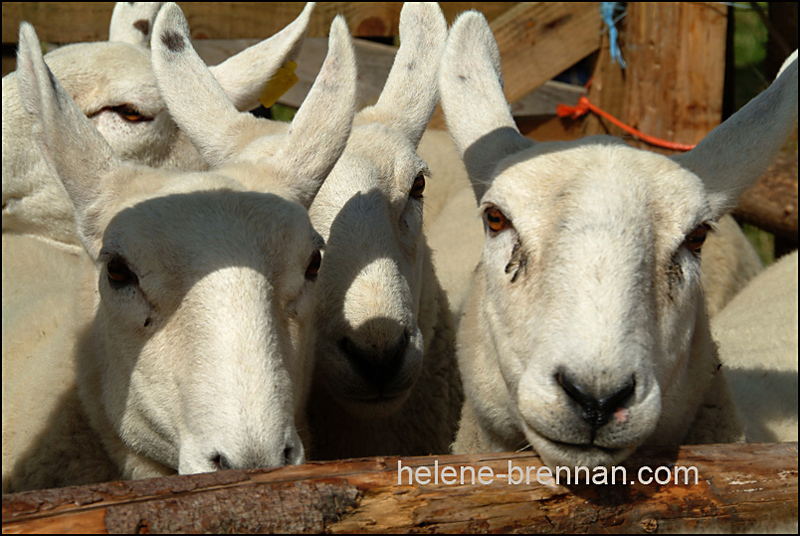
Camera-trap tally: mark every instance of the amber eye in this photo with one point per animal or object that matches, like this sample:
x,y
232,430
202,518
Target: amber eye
x,y
119,275
496,220
418,187
129,114
313,266
695,239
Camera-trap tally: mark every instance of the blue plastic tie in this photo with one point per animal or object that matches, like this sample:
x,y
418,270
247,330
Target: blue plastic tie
x,y
607,11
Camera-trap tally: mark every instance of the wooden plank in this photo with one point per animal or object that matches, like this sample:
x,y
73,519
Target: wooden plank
x,y
736,487
70,22
532,39
374,63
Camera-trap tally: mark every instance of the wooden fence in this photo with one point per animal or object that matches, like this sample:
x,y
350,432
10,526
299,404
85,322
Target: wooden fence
x,y
672,88
716,488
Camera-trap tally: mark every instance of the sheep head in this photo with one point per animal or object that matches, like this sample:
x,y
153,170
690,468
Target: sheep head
x,y
114,85
196,356
369,343
585,333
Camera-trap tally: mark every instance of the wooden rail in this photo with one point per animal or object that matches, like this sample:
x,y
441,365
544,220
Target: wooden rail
x,y
737,487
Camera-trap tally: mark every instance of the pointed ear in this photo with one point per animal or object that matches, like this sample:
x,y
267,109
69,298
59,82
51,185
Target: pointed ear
x,y
244,76
132,22
477,114
736,153
74,150
410,95
195,99
318,133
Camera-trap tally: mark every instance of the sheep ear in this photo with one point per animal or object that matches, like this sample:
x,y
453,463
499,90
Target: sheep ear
x,y
194,97
477,114
244,76
132,22
736,153
318,133
410,95
74,150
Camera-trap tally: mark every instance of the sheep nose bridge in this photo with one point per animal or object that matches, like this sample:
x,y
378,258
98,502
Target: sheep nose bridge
x,y
596,410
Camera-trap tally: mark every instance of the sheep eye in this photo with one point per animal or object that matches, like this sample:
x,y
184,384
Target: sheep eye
x,y
313,266
496,220
130,114
119,275
418,187
694,240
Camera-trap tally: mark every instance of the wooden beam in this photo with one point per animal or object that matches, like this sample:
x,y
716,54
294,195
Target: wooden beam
x,y
72,22
532,39
737,486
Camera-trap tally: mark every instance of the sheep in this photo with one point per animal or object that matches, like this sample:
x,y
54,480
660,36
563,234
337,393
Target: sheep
x,y
42,255
584,332
385,378
757,336
114,85
191,339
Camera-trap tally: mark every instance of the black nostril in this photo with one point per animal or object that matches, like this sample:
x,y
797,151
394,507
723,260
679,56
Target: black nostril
x,y
596,412
288,455
221,462
376,365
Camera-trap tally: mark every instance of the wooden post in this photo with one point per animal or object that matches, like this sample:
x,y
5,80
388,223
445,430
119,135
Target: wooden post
x,y
676,69
735,487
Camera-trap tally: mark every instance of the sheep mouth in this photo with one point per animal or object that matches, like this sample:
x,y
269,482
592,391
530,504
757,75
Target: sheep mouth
x,y
585,454
375,406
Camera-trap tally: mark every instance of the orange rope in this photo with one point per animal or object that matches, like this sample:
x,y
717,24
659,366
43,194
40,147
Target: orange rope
x,y
584,107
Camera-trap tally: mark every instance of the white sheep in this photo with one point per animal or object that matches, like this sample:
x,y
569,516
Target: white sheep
x,y
42,256
584,333
385,379
193,353
757,336
113,83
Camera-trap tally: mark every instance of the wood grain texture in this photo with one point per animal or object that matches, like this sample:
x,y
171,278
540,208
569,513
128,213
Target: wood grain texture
x,y
676,69
71,22
738,486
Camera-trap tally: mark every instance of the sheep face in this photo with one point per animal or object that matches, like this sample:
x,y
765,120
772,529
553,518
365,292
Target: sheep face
x,y
591,271
114,85
585,333
370,347
198,346
196,279
124,105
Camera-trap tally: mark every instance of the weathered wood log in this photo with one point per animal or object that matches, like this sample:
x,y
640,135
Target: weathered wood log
x,y
771,204
719,488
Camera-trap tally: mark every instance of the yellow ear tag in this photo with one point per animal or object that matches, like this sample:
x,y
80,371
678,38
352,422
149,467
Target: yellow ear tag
x,y
281,82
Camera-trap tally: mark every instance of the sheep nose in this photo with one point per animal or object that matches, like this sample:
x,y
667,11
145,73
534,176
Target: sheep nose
x,y
377,365
291,455
595,411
